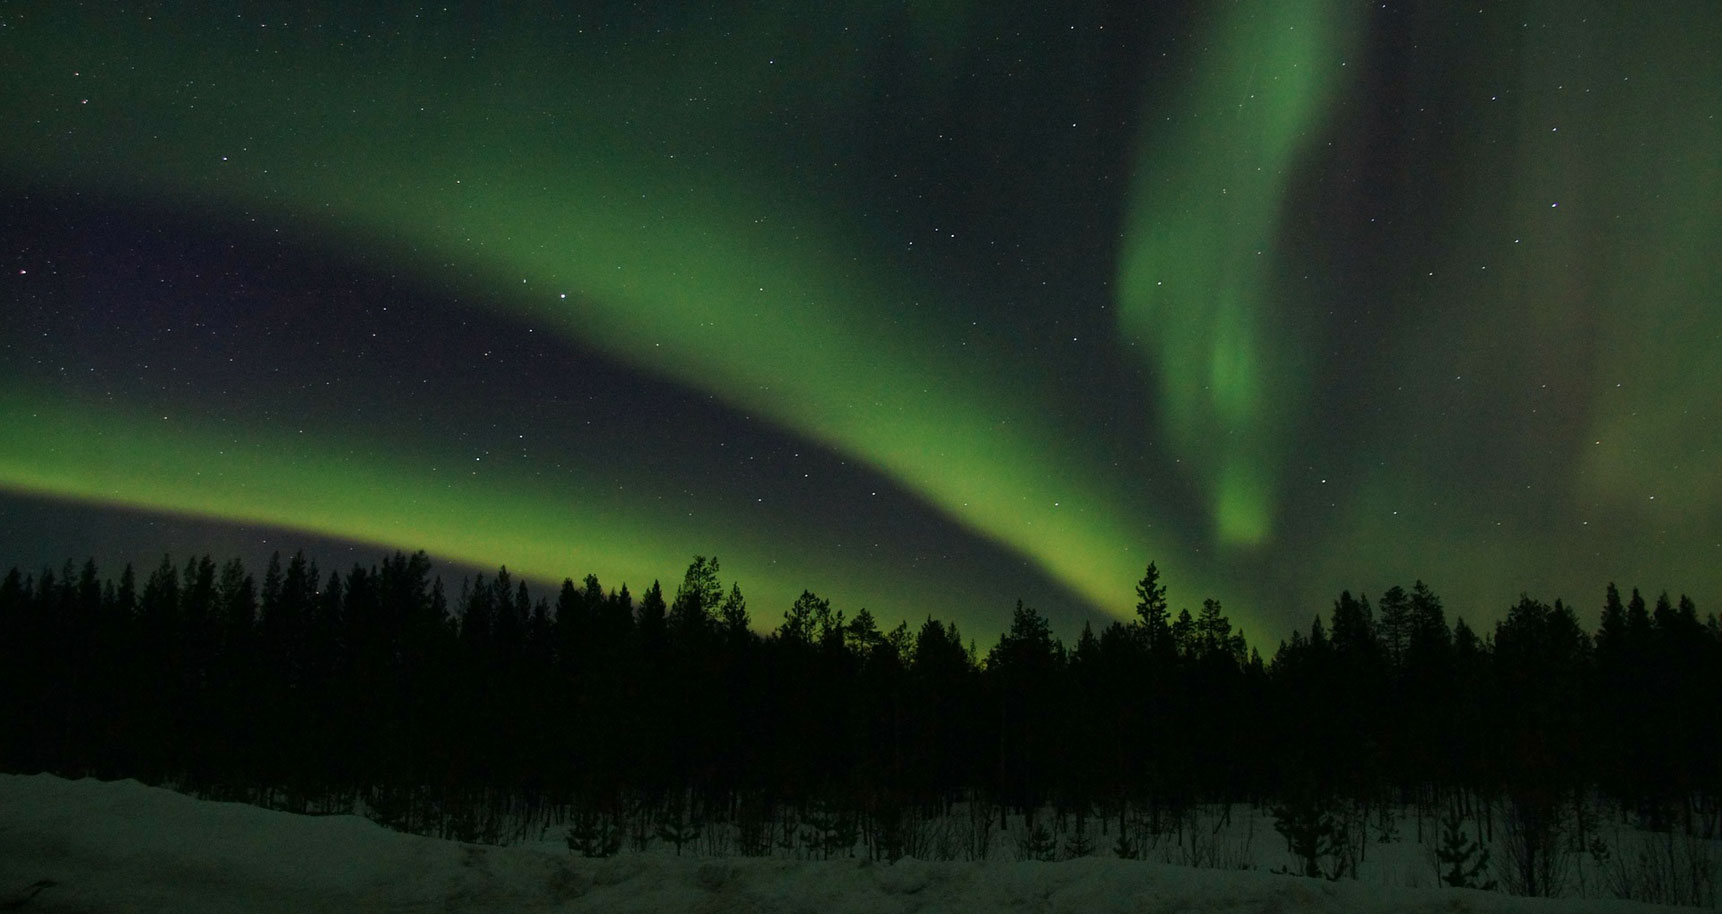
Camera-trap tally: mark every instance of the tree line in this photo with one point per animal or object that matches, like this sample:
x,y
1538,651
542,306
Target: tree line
x,y
449,712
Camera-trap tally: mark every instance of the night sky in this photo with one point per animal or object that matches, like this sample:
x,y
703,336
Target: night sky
x,y
925,307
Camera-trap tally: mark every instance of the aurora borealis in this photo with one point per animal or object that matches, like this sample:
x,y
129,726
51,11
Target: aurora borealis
x,y
924,307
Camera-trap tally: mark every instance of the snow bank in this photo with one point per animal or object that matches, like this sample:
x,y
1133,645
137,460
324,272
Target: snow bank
x,y
121,846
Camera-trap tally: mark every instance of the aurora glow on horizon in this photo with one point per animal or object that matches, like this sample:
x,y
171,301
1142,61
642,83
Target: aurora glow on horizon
x,y
922,309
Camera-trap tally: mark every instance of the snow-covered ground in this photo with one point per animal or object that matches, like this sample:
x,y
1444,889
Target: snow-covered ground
x,y
122,846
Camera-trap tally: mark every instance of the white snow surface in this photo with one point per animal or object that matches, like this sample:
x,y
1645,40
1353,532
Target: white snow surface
x,y
121,847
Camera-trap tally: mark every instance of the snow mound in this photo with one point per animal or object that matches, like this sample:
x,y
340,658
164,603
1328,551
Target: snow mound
x,y
121,847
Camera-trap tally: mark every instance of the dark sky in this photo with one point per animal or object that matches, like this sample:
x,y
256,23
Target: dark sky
x,y
925,307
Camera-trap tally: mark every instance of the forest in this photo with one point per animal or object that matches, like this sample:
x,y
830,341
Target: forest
x,y
491,714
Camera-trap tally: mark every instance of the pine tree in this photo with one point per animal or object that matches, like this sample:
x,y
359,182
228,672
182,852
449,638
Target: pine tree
x,y
1466,644
1184,634
594,834
805,620
1429,639
539,632
1152,618
789,835
753,828
572,625
1313,836
650,617
126,596
1611,634
1637,623
1037,843
678,827
1077,844
236,597
197,602
1214,638
1464,861
1397,624
612,614
695,608
518,624
732,615
828,831
159,605
1353,628
1319,643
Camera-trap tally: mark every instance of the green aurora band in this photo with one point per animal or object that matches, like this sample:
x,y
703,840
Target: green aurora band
x,y
1197,281
564,200
345,481
1555,405
1542,397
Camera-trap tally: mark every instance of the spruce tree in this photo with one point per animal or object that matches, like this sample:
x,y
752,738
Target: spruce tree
x,y
1037,843
572,625
1637,624
1611,634
1312,834
1152,617
1353,628
1124,848
1464,860
594,834
650,617
1077,844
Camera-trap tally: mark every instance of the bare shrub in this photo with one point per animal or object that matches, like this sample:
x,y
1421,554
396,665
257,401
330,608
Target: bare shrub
x,y
977,838
1539,862
1669,868
929,837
